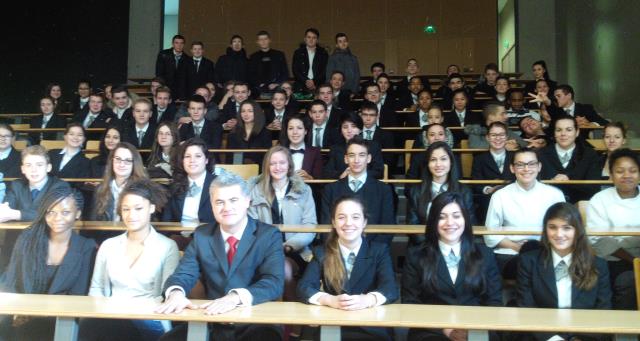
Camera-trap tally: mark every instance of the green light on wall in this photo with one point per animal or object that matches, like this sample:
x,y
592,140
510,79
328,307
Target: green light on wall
x,y
506,44
429,29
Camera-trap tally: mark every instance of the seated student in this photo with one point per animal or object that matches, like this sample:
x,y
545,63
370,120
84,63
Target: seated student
x,y
461,114
140,131
350,272
229,116
165,144
492,165
419,118
238,259
376,195
387,94
521,204
277,113
408,99
341,96
434,116
350,126
439,175
453,68
134,264
387,116
222,98
25,195
412,70
516,111
279,196
212,113
533,133
376,69
539,70
189,202
344,61
448,267
372,132
541,100
568,160
250,132
96,116
502,87
564,273
199,126
9,156
163,108
487,85
618,206
585,114
431,134
108,142
81,99
307,160
493,112
155,84
70,162
234,64
122,109
292,104
615,136
454,82
48,259
324,92
49,119
54,90
323,134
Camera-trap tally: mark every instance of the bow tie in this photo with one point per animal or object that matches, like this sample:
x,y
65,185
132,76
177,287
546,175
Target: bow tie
x,y
293,151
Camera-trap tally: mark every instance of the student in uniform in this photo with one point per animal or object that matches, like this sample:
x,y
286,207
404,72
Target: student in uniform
x,y
48,119
307,160
564,272
540,72
9,156
200,126
141,130
350,272
448,267
165,144
615,137
49,258
109,141
134,264
54,90
70,161
250,132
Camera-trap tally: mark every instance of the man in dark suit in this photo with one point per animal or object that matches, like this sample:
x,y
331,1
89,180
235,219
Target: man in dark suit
x,y
122,108
142,130
408,100
169,61
228,118
309,75
50,119
323,134
386,111
376,195
341,95
585,114
96,117
199,126
239,260
372,132
164,110
325,94
196,71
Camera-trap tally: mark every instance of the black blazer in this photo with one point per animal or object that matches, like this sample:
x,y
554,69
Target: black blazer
x,y
334,116
413,204
56,121
211,133
330,136
584,110
97,165
260,141
335,164
190,79
300,65
451,120
484,167
168,115
102,121
376,196
10,167
258,265
78,167
388,115
229,111
167,69
584,165
537,287
71,278
173,209
343,100
130,135
372,271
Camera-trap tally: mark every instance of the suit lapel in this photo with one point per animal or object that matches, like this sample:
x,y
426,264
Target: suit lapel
x,y
361,266
548,276
204,197
246,242
69,263
217,244
443,273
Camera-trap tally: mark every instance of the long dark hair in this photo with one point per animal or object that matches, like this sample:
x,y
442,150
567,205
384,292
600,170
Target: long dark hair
x,y
180,183
156,150
546,70
470,255
306,122
453,185
582,269
32,248
104,152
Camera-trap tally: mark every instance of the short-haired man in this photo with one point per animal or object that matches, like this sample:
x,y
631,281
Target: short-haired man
x,y
344,61
231,109
585,114
141,131
240,261
96,117
310,62
323,135
163,110
267,66
169,61
324,92
196,71
199,126
212,112
122,104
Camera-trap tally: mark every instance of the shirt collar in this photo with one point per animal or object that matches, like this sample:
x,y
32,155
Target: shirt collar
x,y
144,129
561,151
199,181
344,251
302,146
64,152
446,248
197,58
362,178
556,258
498,155
198,124
373,128
41,185
435,187
5,154
572,108
237,235
520,188
324,125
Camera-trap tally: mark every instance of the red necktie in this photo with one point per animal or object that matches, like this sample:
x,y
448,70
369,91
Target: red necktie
x,y
233,247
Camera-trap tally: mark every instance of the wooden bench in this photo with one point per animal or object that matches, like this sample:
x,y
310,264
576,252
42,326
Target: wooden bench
x,y
477,320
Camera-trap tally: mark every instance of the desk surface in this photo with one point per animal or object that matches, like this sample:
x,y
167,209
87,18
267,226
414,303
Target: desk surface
x,y
394,315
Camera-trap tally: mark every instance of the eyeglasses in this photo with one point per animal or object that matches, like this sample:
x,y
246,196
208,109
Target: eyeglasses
x,y
5,137
522,165
123,161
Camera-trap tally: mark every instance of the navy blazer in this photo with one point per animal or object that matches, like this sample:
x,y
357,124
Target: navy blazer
x,y
580,110
372,271
484,167
189,78
78,167
130,134
258,265
447,292
167,69
168,115
211,133
56,121
537,287
173,209
10,167
584,165
335,164
71,278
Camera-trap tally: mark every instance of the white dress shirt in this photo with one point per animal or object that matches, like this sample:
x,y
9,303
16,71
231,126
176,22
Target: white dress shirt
x,y
45,119
421,115
445,249
362,179
5,153
461,115
90,118
312,54
192,203
561,152
83,102
313,130
143,130
66,157
607,209
499,159
564,285
197,125
298,158
571,110
514,208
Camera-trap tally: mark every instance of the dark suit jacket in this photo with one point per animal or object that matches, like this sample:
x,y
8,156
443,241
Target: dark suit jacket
x,y
334,116
584,110
451,120
103,120
258,265
584,165
376,196
335,165
173,210
537,287
71,278
10,167
166,67
385,139
330,136
211,133
343,100
388,115
413,204
260,141
56,121
412,119
167,116
300,65
372,271
78,167
130,135
484,167
190,79
229,111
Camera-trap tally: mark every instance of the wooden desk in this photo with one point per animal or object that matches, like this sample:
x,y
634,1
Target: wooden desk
x,y
478,320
